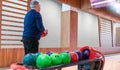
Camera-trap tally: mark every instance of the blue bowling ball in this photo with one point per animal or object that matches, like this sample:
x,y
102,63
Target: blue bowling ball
x,y
66,51
38,53
29,59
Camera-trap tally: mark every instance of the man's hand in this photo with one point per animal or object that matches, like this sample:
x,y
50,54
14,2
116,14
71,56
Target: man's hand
x,y
44,34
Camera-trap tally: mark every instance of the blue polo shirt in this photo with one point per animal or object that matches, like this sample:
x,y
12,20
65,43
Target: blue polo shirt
x,y
33,25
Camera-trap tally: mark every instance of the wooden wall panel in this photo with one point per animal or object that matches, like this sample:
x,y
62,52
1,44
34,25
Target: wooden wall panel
x,y
105,13
3,57
69,29
99,30
85,4
74,3
0,19
20,54
65,29
9,56
28,5
73,28
81,4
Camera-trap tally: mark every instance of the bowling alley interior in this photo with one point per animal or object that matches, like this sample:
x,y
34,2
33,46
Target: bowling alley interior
x,y
84,34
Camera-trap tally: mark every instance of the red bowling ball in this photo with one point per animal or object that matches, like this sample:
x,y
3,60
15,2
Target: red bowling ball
x,y
18,67
74,57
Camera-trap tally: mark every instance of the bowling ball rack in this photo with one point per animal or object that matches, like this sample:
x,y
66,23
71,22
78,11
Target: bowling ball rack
x,y
89,64
94,64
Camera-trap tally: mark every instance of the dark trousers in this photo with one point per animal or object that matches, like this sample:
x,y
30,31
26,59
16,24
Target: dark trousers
x,y
30,45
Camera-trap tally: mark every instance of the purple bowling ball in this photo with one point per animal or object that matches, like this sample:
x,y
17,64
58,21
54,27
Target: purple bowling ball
x,y
49,53
85,54
79,54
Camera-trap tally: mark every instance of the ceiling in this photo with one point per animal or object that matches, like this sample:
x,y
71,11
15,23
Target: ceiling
x,y
108,12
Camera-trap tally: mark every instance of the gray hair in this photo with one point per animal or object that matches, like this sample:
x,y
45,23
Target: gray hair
x,y
33,3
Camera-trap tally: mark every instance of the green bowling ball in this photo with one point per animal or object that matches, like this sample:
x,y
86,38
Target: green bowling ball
x,y
43,60
56,59
65,58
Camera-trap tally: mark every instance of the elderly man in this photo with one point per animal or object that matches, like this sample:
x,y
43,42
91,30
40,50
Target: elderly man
x,y
33,28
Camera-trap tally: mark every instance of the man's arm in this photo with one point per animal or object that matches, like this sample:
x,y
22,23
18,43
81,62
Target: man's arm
x,y
39,22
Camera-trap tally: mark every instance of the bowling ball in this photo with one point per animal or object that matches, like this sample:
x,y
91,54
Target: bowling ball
x,y
66,51
38,53
91,51
17,67
56,59
74,57
44,34
29,59
86,54
49,53
43,60
79,54
65,58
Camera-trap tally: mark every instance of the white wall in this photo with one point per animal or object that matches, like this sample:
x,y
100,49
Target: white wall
x,y
51,13
115,25
87,29
87,25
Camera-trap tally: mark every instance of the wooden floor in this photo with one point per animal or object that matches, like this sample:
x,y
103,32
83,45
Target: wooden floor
x,y
112,62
